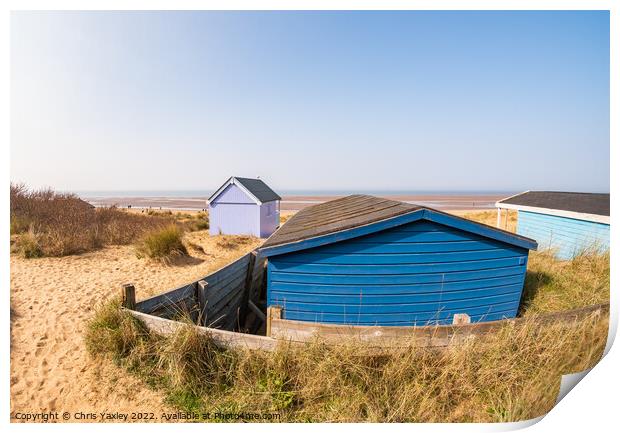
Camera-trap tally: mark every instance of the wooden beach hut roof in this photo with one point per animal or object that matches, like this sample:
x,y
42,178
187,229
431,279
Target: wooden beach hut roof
x,y
578,205
256,188
359,215
584,202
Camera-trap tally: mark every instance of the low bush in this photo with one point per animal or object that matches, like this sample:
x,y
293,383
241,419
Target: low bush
x,y
201,225
28,245
46,223
162,244
194,222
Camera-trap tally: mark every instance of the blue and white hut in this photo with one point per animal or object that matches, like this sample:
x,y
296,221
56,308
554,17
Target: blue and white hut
x,y
243,206
568,223
364,260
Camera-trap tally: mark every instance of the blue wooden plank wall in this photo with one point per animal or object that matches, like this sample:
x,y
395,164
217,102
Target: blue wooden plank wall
x,y
417,274
566,236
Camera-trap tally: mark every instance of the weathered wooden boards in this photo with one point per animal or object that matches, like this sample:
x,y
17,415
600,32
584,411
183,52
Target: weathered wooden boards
x,y
337,215
422,336
169,304
291,332
218,300
222,338
129,296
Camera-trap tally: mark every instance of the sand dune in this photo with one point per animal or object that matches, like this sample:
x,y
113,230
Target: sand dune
x,y
51,300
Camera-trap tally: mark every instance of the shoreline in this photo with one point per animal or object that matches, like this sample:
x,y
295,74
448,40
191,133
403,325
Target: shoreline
x,y
296,202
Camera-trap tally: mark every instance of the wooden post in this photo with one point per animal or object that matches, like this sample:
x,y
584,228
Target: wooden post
x,y
243,309
201,293
129,296
499,217
257,311
461,319
274,312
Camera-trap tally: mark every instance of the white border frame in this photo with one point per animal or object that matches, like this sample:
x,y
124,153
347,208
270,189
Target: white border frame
x,y
593,406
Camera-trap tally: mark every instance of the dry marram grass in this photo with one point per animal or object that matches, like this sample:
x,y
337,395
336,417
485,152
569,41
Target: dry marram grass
x,y
163,244
511,375
46,223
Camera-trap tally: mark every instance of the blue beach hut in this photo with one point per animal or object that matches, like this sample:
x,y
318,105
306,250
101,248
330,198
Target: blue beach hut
x,y
243,206
364,260
568,223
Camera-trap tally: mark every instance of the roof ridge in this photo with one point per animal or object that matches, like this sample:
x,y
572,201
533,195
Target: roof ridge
x,y
366,214
259,191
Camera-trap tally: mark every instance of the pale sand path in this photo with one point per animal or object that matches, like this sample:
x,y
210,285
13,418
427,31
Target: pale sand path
x,y
51,300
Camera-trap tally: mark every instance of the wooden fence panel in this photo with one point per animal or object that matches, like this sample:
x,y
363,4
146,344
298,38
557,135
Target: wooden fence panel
x,y
223,294
376,337
222,338
170,303
421,336
219,300
258,272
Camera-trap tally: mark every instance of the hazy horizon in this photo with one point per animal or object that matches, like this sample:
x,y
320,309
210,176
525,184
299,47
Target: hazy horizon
x,y
311,101
280,191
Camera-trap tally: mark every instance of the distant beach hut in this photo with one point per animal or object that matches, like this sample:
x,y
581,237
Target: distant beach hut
x,y
566,222
243,206
364,260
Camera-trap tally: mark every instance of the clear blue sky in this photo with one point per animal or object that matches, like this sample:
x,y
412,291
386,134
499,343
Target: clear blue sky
x,y
311,100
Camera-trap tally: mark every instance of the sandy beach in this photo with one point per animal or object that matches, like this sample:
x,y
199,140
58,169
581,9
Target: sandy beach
x,y
51,301
297,202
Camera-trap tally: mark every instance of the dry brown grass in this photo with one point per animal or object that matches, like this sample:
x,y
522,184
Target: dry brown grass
x,y
46,223
490,218
233,242
285,217
163,244
511,375
554,285
191,221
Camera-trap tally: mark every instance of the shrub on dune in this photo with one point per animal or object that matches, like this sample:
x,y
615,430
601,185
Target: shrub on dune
x,y
163,244
46,223
28,245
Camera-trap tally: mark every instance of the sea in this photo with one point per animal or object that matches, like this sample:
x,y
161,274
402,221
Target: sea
x,y
293,199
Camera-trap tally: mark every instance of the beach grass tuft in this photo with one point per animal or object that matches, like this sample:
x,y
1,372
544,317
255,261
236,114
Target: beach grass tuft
x,y
231,242
162,244
28,244
198,221
112,331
